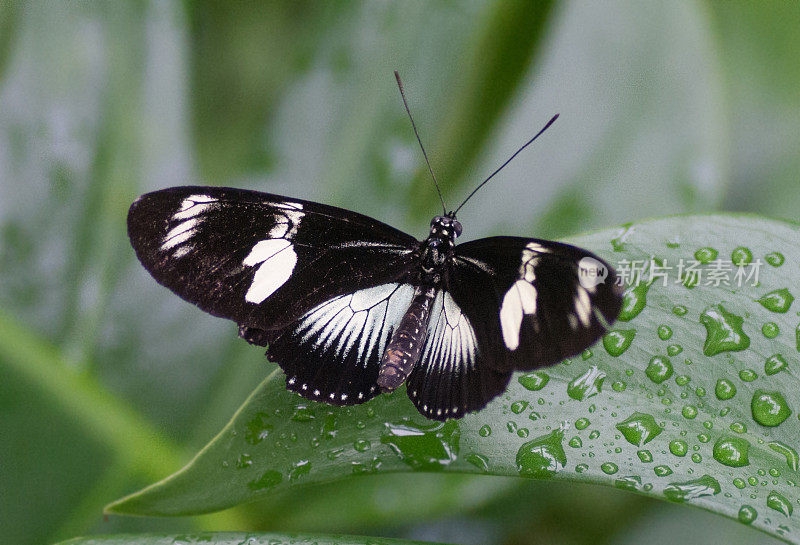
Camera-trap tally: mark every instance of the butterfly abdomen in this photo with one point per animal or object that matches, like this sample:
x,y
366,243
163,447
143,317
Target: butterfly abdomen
x,y
405,346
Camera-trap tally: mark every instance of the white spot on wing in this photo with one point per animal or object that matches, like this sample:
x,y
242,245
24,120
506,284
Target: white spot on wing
x,y
451,346
365,299
535,247
520,299
193,206
583,306
279,230
277,260
187,217
179,234
264,250
361,320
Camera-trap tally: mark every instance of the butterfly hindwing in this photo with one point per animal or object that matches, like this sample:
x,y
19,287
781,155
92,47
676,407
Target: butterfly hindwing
x,y
333,352
457,372
260,259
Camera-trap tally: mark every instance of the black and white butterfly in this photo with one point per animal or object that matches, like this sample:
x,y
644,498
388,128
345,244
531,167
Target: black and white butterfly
x,y
350,307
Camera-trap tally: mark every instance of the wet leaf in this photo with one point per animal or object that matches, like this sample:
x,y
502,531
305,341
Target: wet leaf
x,y
678,436
231,538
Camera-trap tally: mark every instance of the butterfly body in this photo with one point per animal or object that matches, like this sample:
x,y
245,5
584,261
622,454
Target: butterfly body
x,y
405,346
350,307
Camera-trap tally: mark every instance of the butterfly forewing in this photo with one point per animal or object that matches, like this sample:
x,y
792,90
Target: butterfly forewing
x,y
260,259
550,300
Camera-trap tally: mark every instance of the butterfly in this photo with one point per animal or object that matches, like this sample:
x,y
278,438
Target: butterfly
x,y
350,307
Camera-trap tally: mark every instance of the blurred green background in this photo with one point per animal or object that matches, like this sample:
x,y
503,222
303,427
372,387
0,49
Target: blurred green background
x,y
108,382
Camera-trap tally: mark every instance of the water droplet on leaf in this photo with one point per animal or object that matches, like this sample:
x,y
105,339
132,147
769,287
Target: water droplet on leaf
x,y
299,469
689,412
659,369
770,330
747,514
617,341
732,451
244,461
706,255
769,408
738,427
618,243
678,447
777,300
775,259
609,468
518,406
662,470
748,375
634,299
779,503
792,459
587,385
674,349
542,457
267,480
480,461
534,381
741,256
775,364
723,331
258,428
303,413
427,447
684,491
639,428
629,482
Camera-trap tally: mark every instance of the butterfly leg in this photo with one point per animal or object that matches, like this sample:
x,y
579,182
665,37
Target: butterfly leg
x,y
258,337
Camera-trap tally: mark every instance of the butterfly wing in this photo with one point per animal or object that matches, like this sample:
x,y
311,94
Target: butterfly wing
x,y
333,352
525,302
259,259
551,300
461,367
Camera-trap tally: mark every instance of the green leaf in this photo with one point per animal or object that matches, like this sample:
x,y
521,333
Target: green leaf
x,y
231,538
674,403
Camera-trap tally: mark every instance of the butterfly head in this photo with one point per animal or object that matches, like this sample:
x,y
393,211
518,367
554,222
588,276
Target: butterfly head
x,y
445,228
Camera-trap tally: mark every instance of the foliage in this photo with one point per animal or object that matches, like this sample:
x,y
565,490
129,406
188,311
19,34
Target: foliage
x,y
110,383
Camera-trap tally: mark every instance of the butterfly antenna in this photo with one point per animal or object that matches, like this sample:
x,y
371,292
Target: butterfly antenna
x,y
414,126
507,161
